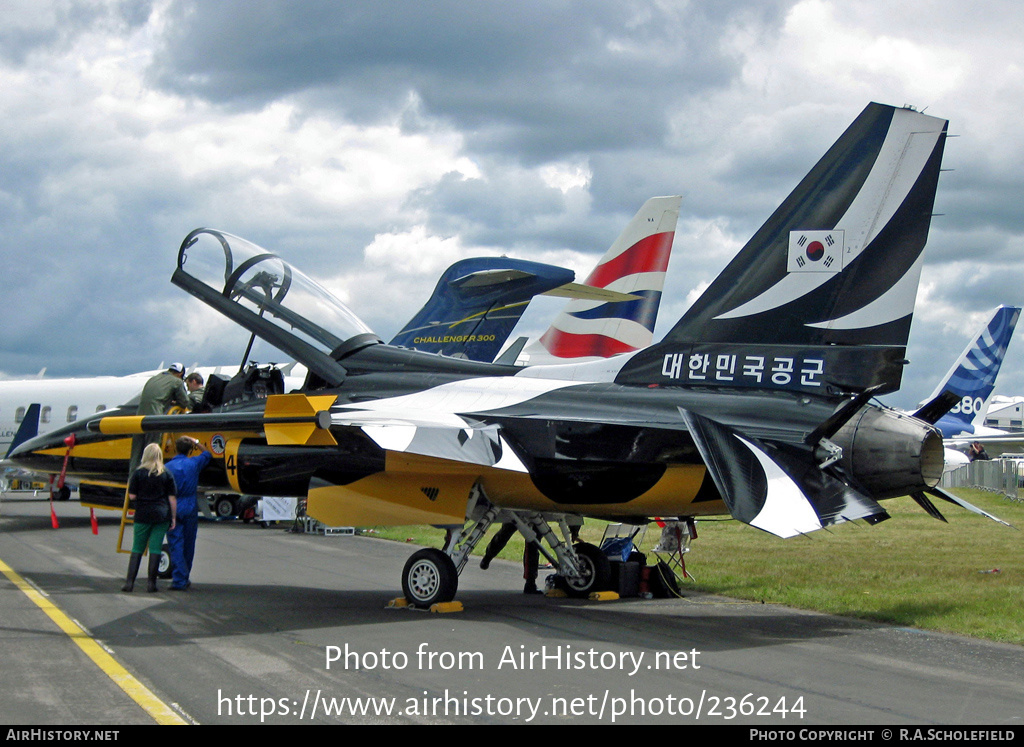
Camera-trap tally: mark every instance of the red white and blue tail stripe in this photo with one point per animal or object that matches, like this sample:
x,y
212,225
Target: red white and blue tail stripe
x,y
635,264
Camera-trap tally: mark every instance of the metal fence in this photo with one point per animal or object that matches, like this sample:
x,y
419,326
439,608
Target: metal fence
x,y
1003,476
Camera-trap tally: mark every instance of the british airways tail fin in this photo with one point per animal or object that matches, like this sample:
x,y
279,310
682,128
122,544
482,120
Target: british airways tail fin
x,y
635,264
821,298
475,305
973,377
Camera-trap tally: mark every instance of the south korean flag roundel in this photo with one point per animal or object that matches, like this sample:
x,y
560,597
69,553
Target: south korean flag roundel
x,y
815,251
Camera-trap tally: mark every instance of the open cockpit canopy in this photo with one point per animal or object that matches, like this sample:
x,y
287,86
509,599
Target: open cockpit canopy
x,y
272,299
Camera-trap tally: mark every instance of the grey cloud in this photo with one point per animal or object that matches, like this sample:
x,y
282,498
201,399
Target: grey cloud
x,y
31,27
503,210
988,202
538,78
642,92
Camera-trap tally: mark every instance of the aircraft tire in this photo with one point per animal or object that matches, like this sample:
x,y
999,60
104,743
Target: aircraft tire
x,y
224,507
429,577
166,567
64,493
596,569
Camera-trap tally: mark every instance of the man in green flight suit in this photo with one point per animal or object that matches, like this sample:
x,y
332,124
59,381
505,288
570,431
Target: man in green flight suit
x,y
159,393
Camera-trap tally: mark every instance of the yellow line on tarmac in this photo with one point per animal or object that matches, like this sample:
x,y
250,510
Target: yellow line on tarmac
x,y
138,692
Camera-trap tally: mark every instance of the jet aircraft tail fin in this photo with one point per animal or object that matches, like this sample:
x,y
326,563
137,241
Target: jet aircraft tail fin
x,y
28,429
635,264
475,305
973,377
821,297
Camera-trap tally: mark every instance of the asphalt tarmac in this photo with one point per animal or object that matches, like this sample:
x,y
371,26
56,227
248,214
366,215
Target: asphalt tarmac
x,y
284,628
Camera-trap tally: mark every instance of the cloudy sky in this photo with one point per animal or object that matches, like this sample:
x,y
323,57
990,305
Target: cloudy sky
x,y
373,143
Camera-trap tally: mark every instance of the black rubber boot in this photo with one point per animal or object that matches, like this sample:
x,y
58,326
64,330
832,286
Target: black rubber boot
x,y
154,567
133,570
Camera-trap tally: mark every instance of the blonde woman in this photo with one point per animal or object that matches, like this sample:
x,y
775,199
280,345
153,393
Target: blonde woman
x,y
152,488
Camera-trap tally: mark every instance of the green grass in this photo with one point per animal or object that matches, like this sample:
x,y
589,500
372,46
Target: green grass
x,y
911,570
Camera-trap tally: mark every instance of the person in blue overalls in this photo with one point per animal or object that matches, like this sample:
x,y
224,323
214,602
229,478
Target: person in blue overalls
x,y
182,539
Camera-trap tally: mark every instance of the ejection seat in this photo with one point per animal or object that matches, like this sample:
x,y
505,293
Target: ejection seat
x,y
255,382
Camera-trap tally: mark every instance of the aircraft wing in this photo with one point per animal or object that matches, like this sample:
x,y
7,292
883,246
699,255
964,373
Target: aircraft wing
x,y
442,437
1008,442
774,485
450,421
958,501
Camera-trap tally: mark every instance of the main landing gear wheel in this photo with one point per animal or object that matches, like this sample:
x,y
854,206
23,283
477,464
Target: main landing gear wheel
x,y
429,578
64,493
225,508
596,571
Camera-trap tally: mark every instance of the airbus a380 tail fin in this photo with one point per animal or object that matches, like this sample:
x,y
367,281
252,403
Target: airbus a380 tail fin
x,y
973,377
821,298
635,264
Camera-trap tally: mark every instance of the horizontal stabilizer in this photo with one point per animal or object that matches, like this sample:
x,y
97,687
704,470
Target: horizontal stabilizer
x,y
938,406
755,489
778,489
504,282
834,501
841,416
922,500
481,281
947,496
587,293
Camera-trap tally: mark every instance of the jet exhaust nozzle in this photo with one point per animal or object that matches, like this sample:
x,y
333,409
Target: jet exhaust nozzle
x,y
890,453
